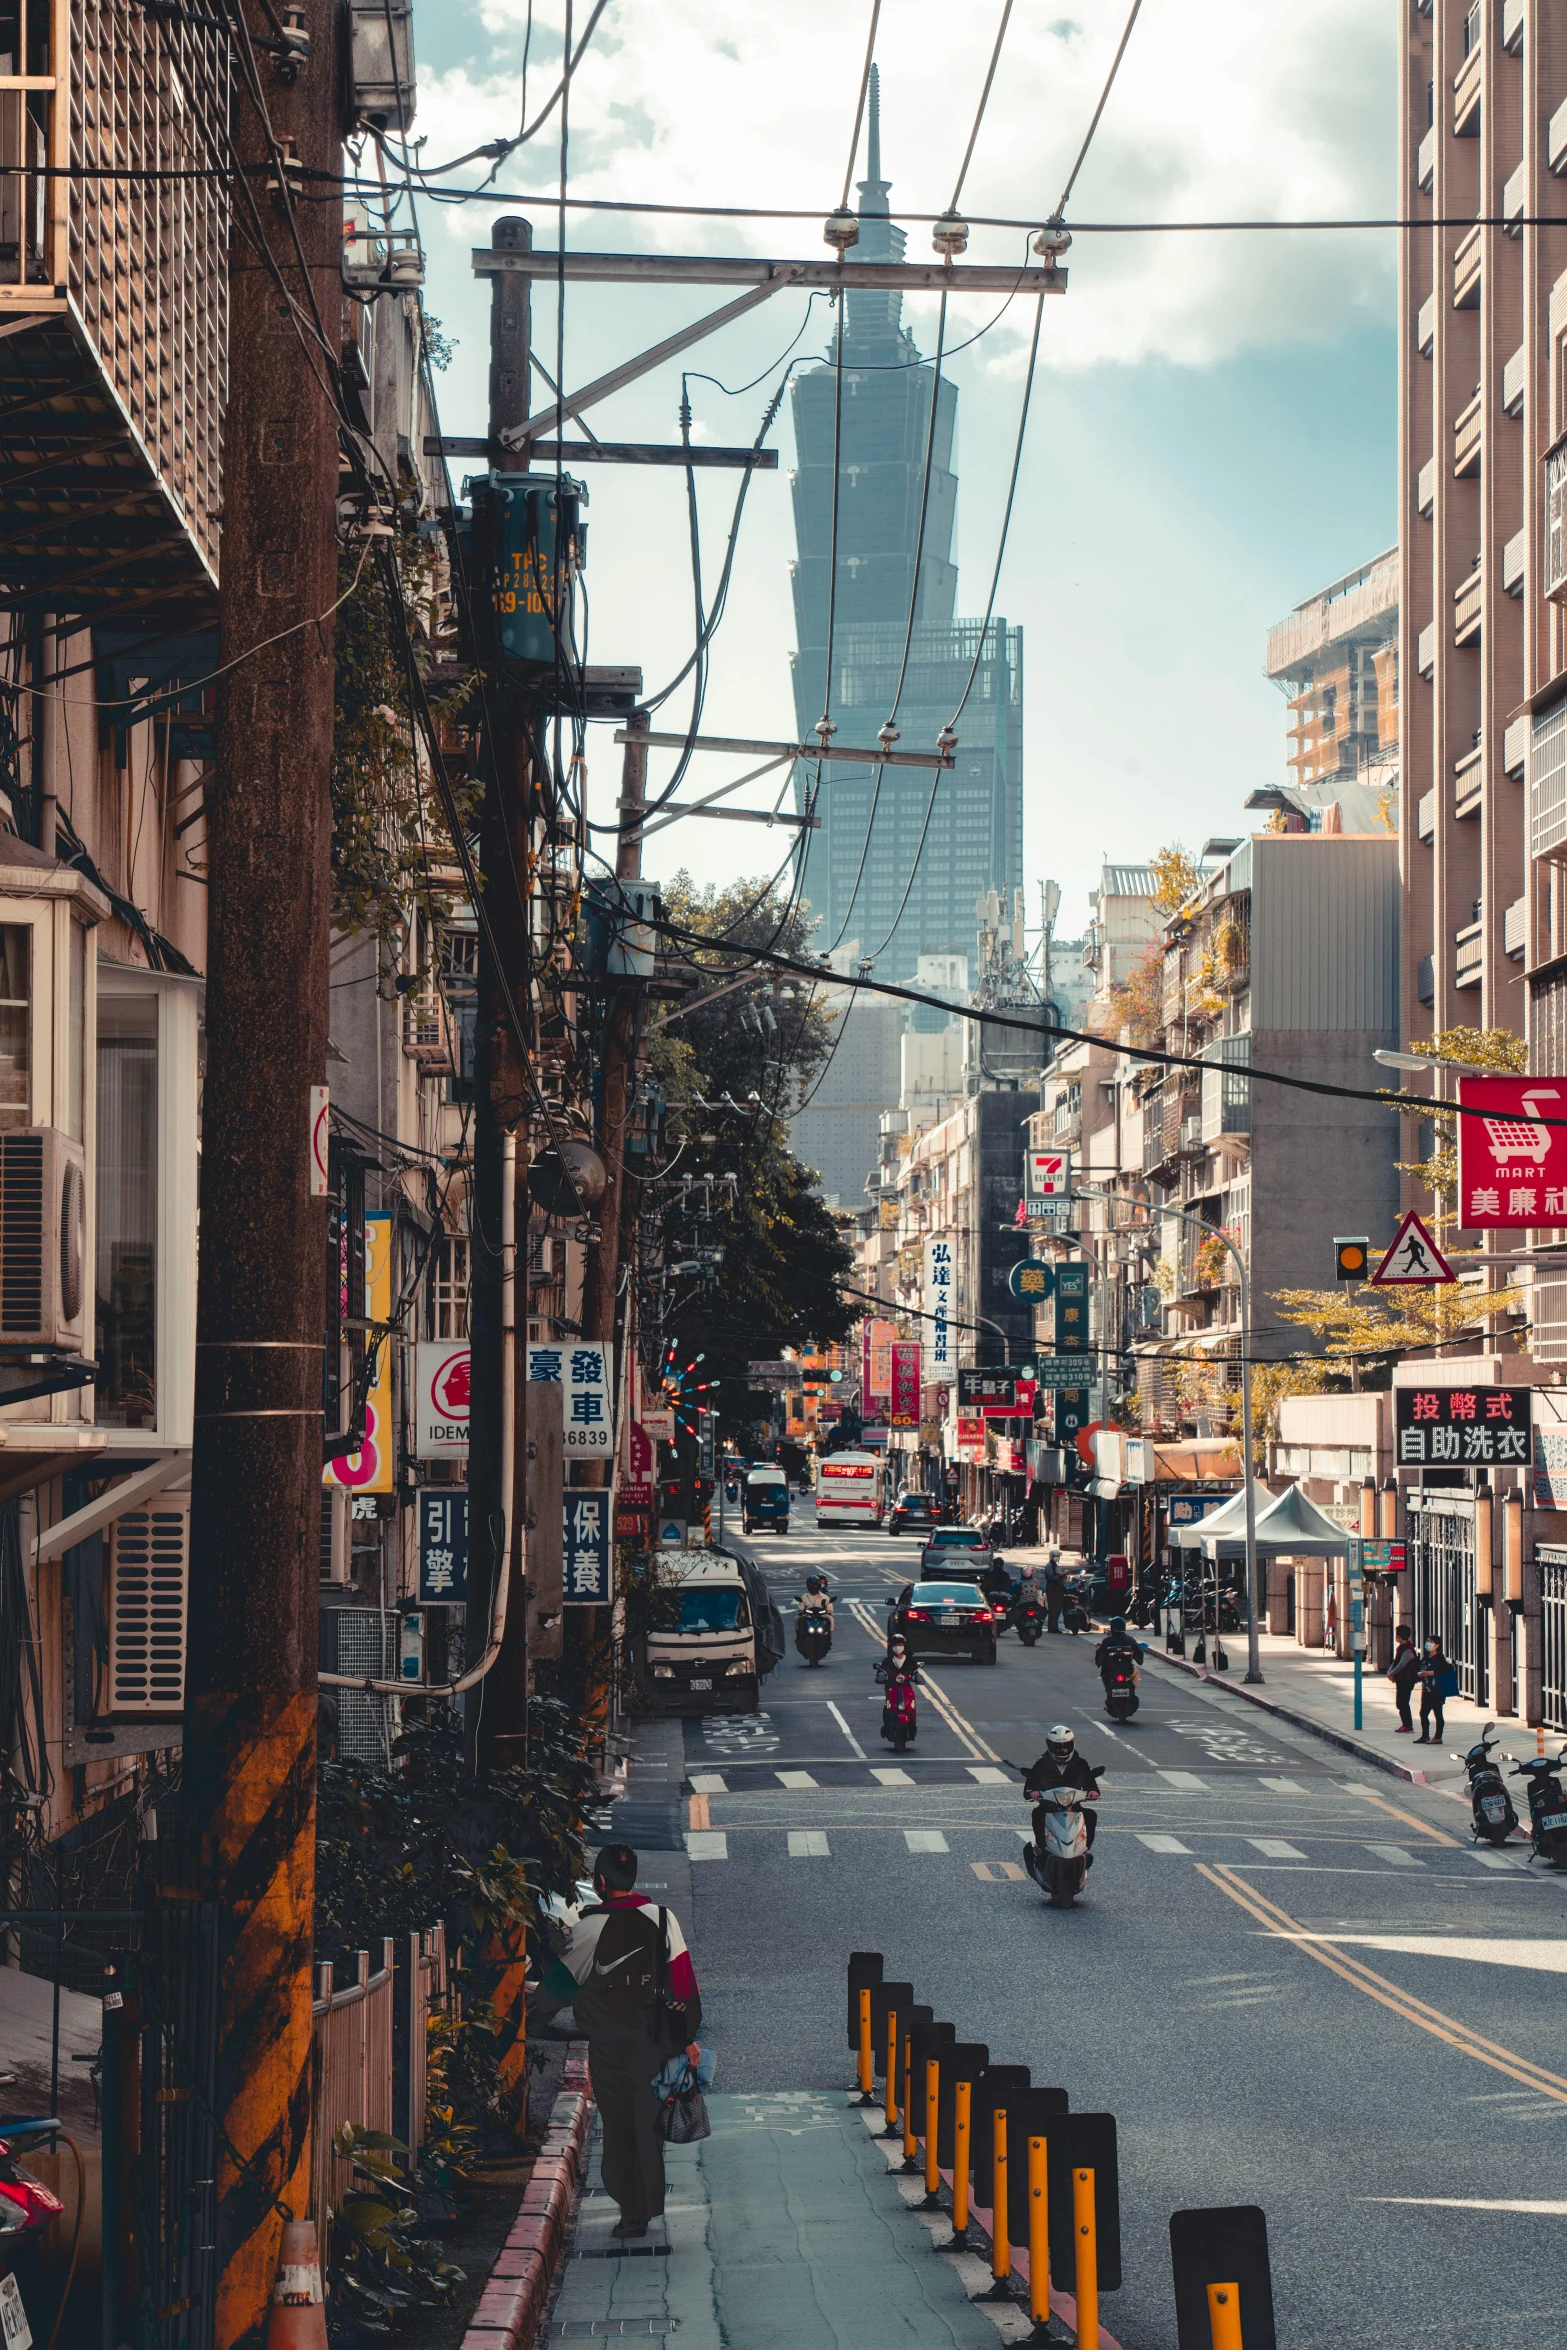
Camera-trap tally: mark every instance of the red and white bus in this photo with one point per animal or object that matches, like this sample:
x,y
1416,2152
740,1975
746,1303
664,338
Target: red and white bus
x,y
850,1487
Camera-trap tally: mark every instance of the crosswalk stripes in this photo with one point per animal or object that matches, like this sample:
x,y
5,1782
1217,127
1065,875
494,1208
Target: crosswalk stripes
x,y
1499,1860
708,1783
925,1840
1284,1786
1395,1856
1162,1843
1188,1782
808,1844
707,1844
888,1777
987,1775
1275,1848
794,1779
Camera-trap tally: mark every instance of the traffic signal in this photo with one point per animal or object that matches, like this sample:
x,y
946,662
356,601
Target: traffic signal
x,y
1351,1259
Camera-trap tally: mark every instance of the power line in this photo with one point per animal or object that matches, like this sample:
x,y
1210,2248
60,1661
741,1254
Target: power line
x,y
1104,96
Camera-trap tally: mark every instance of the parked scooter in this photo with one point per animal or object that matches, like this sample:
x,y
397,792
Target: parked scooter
x,y
1058,1863
1547,1806
1492,1815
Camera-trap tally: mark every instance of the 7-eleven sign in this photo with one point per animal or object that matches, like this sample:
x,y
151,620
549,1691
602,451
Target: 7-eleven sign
x,y
1046,1175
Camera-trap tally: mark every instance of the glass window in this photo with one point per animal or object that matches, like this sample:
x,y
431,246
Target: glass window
x,y
716,1608
449,1276
16,1005
127,1322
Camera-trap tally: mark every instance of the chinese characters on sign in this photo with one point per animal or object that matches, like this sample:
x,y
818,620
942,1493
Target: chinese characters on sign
x,y
938,1302
1462,1427
585,1548
904,1406
443,1546
581,1369
1512,1165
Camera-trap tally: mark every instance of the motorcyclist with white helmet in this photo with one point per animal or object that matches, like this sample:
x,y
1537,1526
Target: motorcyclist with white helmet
x,y
1061,1766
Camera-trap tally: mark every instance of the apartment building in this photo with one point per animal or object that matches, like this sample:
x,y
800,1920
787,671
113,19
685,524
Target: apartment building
x,y
1336,658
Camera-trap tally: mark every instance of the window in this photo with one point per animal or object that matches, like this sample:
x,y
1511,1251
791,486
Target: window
x,y
1548,780
127,1259
1556,519
16,1059
449,1273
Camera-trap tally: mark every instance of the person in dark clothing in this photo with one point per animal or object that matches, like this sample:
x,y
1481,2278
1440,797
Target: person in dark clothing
x,y
1061,1766
1403,1672
608,1972
1055,1594
1117,1647
1434,1674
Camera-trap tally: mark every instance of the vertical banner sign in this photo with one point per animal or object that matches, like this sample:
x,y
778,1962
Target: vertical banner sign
x,y
1071,1309
320,1139
581,1367
938,1305
585,1548
904,1406
369,1470
876,1339
443,1546
1512,1165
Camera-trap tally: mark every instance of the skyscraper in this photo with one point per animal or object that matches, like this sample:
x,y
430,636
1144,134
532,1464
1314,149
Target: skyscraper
x,y
942,851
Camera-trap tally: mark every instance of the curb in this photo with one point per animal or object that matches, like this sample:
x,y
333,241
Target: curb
x,y
512,2305
1288,1713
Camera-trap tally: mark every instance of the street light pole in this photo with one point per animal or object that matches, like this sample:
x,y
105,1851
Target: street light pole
x,y
1248,1473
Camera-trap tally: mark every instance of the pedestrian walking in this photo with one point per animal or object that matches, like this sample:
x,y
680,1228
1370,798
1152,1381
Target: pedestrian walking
x,y
1055,1595
627,1975
1403,1672
1438,1682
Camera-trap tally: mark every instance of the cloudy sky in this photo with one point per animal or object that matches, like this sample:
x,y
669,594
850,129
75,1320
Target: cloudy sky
x,y
1211,437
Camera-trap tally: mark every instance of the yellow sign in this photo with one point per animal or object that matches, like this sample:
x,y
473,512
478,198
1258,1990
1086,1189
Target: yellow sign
x,y
369,1470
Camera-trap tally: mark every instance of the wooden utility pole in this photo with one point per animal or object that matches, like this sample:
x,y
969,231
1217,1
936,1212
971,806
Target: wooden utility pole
x,y
498,1709
619,1059
250,1708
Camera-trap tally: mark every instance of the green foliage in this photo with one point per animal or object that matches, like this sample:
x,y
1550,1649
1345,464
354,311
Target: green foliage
x,y
440,347
381,2263
1175,871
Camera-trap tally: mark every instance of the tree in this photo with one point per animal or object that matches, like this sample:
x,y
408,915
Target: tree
x,y
734,1062
1175,871
1356,1326
1494,1049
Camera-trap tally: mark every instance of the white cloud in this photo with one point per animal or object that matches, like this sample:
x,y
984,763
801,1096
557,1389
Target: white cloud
x,y
1218,113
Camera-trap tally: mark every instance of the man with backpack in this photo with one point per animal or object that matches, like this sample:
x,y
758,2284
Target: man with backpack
x,y
627,1975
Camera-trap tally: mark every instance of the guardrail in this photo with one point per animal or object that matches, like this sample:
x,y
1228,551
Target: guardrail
x,y
1035,2184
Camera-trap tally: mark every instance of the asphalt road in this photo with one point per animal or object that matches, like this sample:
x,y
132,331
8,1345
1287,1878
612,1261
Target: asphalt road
x,y
1291,1980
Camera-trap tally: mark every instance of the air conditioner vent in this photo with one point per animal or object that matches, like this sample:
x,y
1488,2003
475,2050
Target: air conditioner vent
x,y
21,1233
43,1237
149,1578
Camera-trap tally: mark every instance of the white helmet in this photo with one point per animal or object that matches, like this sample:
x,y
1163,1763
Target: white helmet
x,y
1060,1742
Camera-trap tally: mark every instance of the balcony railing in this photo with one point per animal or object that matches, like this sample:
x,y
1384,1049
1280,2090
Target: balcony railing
x,y
1466,271
1468,953
1466,442
1469,607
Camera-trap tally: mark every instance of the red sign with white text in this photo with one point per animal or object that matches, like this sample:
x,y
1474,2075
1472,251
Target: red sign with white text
x,y
1512,1165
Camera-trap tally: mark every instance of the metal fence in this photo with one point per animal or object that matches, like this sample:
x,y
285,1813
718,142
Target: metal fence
x,y
1553,1636
1442,1527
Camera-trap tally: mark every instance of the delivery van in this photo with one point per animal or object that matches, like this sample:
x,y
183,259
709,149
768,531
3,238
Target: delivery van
x,y
764,1500
724,1640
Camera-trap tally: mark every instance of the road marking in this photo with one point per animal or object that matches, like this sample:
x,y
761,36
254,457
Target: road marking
x,y
1535,1957
1187,1781
1284,1786
707,1844
794,1778
988,1776
1498,1860
708,1783
1387,1994
1395,1856
1275,1848
697,1812
844,1727
925,1840
808,1844
1436,1836
1468,2203
1163,1843
1009,1871
888,1777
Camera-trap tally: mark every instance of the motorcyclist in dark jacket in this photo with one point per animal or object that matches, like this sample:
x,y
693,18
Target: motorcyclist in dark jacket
x,y
1115,1650
1060,1766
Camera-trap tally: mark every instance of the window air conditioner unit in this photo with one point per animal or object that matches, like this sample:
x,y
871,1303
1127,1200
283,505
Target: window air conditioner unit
x,y
149,1584
43,1238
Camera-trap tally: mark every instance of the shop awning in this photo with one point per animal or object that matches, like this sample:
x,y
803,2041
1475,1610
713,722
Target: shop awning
x,y
1287,1523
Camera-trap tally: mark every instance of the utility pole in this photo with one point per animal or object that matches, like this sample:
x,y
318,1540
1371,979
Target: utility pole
x,y
504,859
250,1707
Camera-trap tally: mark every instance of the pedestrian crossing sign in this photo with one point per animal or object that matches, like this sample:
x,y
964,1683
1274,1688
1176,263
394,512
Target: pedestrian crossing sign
x,y
1414,1261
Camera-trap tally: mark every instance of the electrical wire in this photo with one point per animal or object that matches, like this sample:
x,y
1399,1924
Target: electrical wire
x,y
984,100
1104,97
859,108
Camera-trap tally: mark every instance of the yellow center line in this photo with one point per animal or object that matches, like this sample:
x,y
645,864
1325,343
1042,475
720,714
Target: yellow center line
x,y
1437,1835
1389,1995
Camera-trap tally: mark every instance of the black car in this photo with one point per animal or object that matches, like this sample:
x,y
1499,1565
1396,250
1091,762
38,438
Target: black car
x,y
911,1509
945,1619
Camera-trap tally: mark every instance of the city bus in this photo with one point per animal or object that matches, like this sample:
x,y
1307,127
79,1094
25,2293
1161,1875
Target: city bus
x,y
850,1488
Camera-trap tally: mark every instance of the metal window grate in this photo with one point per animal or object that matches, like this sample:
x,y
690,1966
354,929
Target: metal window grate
x,y
1548,780
1553,1638
149,1579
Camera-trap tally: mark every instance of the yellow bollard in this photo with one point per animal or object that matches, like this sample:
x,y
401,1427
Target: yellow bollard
x,y
1038,2233
1000,2243
1085,2225
962,2103
867,2075
932,2105
910,2142
890,2104
1224,2316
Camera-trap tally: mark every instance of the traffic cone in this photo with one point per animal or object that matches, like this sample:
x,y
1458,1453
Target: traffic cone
x,y
297,2317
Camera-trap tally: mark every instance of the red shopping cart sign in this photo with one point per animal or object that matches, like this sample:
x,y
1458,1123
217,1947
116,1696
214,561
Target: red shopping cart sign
x,y
1512,1164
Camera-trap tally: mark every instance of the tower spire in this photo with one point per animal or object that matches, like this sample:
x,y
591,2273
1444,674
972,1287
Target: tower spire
x,y
874,190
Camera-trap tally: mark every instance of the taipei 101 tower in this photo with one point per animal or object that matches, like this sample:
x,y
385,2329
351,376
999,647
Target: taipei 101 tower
x,y
973,830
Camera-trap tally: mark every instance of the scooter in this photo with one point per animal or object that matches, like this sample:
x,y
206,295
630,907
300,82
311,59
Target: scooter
x,y
1121,1698
812,1634
1494,1818
1059,1864
897,1715
1027,1619
1547,1807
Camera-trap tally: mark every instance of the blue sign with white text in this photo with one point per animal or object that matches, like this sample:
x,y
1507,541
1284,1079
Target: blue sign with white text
x,y
443,1546
585,1553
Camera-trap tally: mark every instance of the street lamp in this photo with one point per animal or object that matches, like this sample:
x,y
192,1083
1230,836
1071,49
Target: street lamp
x,y
1392,1060
1216,1232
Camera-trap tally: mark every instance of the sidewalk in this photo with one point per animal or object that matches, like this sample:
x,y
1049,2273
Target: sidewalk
x,y
1317,1692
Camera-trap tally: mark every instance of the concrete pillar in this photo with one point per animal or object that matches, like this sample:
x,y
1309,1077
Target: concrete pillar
x,y
1309,1581
1278,1572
